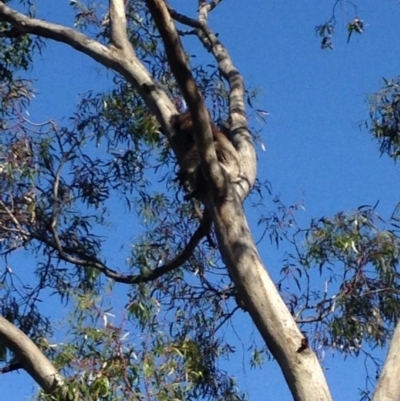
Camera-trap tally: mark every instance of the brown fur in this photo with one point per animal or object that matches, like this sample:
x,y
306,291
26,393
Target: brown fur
x,y
190,174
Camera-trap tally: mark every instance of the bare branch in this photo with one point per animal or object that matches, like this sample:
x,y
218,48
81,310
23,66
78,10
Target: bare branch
x,y
388,388
119,37
179,260
88,261
175,53
240,133
12,217
126,64
183,19
205,8
212,4
56,32
30,357
211,42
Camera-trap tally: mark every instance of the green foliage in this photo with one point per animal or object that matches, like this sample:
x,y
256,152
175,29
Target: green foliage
x,y
385,117
326,30
107,361
355,26
15,53
96,205
357,255
97,198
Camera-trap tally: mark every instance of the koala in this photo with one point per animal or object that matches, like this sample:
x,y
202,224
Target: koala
x,y
190,175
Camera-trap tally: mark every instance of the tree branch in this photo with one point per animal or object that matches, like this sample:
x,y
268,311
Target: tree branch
x,y
205,8
184,19
56,32
240,134
126,64
11,368
119,37
88,261
31,358
178,261
10,33
388,388
177,60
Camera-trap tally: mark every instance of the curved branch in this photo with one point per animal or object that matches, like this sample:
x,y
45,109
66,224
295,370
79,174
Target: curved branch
x,y
122,60
31,358
60,33
175,263
179,260
184,19
65,253
209,6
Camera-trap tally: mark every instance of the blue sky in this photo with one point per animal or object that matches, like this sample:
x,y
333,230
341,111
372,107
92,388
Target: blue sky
x,y
315,151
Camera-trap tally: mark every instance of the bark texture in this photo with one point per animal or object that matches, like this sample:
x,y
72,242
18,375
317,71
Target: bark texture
x,y
301,369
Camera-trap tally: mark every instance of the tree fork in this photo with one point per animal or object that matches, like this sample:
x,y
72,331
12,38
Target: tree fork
x,y
302,370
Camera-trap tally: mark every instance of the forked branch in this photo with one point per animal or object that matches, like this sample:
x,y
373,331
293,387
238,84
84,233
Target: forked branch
x,y
240,134
122,61
177,60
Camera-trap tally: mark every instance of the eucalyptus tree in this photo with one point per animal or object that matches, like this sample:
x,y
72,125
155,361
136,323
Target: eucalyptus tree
x,y
194,262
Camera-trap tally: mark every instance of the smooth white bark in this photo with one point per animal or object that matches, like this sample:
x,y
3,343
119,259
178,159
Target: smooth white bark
x,y
30,357
388,388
